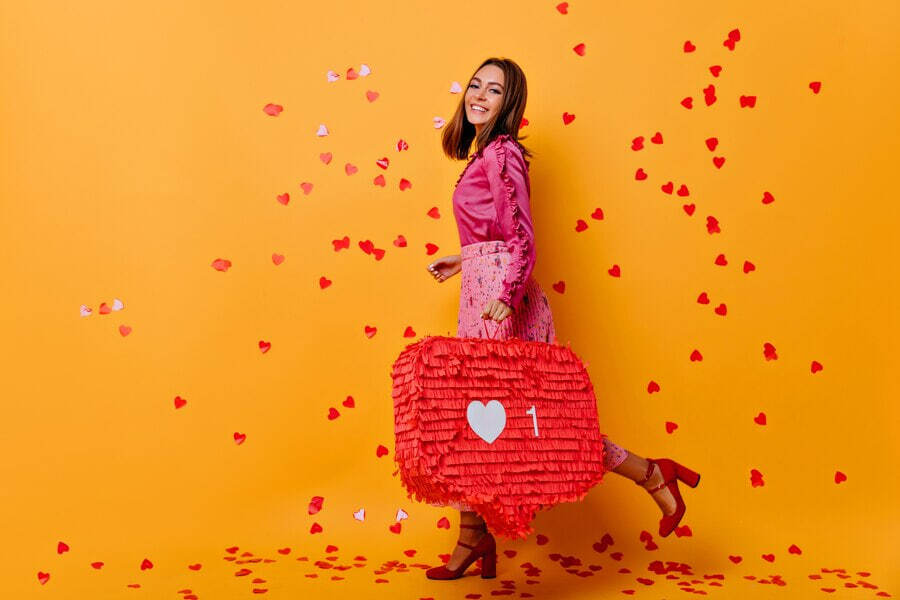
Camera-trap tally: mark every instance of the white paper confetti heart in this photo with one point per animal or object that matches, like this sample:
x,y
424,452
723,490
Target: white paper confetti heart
x,y
401,514
117,304
455,88
487,420
438,122
86,311
322,131
364,70
332,76
360,515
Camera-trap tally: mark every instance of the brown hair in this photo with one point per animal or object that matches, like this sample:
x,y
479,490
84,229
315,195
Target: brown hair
x,y
457,136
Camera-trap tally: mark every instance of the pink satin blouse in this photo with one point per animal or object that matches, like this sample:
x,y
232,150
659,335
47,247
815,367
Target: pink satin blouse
x,y
491,201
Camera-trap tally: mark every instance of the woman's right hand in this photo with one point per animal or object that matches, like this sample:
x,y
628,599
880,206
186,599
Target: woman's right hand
x,y
445,267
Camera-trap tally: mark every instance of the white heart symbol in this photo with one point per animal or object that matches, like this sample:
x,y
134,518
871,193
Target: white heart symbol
x,y
401,514
117,304
486,420
455,88
322,131
85,311
438,122
360,514
332,76
364,70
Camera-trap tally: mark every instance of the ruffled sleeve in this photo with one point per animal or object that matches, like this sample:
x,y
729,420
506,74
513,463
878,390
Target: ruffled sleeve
x,y
507,174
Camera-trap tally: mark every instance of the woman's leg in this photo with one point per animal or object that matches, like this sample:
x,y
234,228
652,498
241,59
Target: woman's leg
x,y
634,468
466,536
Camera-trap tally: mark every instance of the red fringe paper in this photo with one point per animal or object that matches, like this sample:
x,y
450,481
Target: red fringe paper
x,y
441,459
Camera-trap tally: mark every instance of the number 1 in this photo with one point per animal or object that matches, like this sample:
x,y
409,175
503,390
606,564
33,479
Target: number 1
x,y
531,411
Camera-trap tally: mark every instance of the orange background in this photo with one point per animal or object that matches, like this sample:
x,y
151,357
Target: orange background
x,y
136,152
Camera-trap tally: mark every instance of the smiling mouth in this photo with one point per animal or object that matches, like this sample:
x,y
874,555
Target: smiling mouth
x,y
478,109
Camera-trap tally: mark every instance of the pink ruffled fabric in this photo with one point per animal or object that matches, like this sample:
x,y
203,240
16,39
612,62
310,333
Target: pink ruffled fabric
x,y
492,202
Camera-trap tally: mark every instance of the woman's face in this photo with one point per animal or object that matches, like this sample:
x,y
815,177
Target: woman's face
x,y
485,91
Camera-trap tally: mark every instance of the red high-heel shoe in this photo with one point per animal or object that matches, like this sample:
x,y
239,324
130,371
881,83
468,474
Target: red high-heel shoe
x,y
486,549
671,472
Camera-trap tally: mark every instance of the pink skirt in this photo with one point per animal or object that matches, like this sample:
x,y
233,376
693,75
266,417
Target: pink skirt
x,y
483,269
484,266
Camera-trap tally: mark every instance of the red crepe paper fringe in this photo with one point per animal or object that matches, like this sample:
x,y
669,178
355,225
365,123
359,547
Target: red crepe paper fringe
x,y
440,458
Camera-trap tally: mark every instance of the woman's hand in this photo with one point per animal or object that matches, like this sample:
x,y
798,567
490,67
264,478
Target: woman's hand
x,y
496,310
445,267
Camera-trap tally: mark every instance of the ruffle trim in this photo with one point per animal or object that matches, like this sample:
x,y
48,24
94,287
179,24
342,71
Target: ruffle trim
x,y
497,140
509,189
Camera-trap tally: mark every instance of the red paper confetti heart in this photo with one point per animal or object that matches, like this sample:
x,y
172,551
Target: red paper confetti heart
x,y
380,181
614,271
721,309
62,547
597,214
146,564
559,287
567,118
306,187
652,387
688,208
277,258
794,549
43,577
179,401
371,96
734,559
405,184
670,426
703,298
324,282
325,157
580,225
124,330
370,331
434,213
756,478
769,557
350,169
657,138
443,523
640,175
563,7
264,346
815,366
315,504
760,419
381,450
579,49
239,438
283,198
689,47
395,528
839,477
815,86
542,539
711,143
696,356
718,161
333,413
273,110
316,528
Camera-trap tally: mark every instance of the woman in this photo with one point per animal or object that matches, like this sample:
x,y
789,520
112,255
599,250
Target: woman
x,y
491,204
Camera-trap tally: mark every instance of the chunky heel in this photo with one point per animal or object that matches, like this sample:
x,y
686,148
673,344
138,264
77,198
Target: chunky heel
x,y
489,565
485,549
686,475
671,473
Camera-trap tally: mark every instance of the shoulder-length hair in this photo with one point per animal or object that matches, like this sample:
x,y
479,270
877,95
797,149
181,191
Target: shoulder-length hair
x,y
459,132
